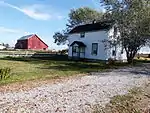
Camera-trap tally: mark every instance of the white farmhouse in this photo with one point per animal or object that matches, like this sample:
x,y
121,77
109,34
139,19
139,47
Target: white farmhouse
x,y
86,42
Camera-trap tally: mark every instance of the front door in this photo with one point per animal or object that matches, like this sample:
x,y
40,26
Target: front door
x,y
75,52
78,52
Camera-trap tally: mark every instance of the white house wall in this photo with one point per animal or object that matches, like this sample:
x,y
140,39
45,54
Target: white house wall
x,y
97,37
119,54
91,37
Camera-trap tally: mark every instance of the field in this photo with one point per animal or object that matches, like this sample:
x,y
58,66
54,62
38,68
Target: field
x,y
25,69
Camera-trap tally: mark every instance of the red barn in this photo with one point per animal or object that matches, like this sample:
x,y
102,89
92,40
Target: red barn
x,y
32,42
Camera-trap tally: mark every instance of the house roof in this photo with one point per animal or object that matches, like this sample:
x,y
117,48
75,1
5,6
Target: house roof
x,y
80,44
92,27
25,37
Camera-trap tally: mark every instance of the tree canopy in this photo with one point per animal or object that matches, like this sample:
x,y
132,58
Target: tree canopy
x,y
132,20
76,17
82,16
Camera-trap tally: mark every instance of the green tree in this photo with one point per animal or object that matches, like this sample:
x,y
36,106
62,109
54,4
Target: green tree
x,y
78,16
132,20
60,37
82,16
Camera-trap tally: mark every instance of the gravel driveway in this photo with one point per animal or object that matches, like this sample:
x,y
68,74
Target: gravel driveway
x,y
76,95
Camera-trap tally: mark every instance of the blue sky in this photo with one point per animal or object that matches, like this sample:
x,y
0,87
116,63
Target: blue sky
x,y
41,17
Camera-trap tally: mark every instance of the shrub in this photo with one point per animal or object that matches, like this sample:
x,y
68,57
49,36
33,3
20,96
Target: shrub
x,y
111,61
5,73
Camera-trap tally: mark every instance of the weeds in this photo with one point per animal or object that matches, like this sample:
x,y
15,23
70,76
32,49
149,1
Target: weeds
x,y
5,73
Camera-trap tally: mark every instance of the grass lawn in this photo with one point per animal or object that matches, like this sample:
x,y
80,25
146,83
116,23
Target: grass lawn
x,y
24,69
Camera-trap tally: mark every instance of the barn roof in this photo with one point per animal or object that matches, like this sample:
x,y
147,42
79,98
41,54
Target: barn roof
x,y
92,27
25,37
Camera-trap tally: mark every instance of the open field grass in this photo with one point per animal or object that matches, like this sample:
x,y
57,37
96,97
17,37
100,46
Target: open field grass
x,y
25,69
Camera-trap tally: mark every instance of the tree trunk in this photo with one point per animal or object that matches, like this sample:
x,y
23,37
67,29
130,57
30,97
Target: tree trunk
x,y
130,53
130,56
130,60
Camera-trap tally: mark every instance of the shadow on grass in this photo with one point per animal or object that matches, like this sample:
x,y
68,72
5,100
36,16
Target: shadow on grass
x,y
142,61
37,60
143,69
135,71
61,63
77,66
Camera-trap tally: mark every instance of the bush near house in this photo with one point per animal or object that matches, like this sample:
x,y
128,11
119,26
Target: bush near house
x,y
63,52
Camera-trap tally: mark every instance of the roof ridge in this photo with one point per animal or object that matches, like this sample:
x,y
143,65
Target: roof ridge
x,y
91,27
26,37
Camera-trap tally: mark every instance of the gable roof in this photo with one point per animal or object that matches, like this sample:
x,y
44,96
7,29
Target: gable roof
x,y
80,44
26,37
41,40
105,25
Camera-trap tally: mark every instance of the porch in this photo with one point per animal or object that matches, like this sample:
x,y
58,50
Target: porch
x,y
78,50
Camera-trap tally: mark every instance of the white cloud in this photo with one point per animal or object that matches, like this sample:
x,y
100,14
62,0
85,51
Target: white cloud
x,y
59,17
36,11
5,30
8,30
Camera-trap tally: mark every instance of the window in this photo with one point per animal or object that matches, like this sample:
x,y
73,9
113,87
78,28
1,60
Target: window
x,y
82,35
122,51
82,50
75,49
94,48
113,53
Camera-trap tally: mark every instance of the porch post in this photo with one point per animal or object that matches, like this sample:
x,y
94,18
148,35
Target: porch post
x,y
84,52
79,51
72,52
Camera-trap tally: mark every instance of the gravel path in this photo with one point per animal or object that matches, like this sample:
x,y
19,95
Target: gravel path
x,y
76,95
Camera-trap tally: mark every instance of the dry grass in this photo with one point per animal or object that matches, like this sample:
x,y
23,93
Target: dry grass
x,y
143,58
136,101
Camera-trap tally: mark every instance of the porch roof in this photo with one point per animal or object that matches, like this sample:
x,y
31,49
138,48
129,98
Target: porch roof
x,y
80,44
